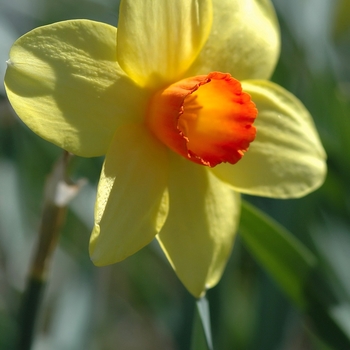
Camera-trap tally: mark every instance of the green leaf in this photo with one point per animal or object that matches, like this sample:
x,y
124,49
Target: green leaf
x,y
281,254
294,268
201,334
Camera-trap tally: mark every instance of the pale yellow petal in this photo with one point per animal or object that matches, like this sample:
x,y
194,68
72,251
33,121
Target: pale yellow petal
x,y
132,201
65,84
244,40
199,232
159,40
286,159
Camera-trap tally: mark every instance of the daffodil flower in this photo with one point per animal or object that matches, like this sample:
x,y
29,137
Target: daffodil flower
x,y
178,101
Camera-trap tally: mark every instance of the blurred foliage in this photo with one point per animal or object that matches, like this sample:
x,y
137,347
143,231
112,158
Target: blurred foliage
x,y
139,303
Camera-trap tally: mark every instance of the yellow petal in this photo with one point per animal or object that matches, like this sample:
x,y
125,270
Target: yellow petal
x,y
131,204
64,83
244,40
199,232
286,159
159,40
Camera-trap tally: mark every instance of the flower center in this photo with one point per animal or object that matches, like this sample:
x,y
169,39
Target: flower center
x,y
206,119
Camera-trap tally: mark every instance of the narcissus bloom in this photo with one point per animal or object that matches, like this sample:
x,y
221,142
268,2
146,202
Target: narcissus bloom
x,y
178,101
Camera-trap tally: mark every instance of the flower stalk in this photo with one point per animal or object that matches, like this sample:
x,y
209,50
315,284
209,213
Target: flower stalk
x,y
58,192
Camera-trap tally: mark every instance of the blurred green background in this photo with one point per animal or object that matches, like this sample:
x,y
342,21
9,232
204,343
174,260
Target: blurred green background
x,y
139,303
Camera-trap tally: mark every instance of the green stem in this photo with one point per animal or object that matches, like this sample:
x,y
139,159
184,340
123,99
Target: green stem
x,y
28,313
58,192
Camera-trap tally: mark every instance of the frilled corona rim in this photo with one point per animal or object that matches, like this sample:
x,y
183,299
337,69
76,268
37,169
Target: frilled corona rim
x,y
207,119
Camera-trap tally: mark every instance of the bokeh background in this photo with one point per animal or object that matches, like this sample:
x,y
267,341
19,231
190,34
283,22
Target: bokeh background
x,y
139,303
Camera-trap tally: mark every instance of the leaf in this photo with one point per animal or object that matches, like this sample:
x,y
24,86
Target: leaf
x,y
201,334
294,268
281,254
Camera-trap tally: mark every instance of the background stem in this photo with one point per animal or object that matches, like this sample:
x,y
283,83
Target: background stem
x,y
58,192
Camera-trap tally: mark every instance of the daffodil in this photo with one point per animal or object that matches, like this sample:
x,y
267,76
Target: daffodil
x,y
178,101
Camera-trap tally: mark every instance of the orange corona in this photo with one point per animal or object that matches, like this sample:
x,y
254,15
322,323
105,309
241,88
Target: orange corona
x,y
207,119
